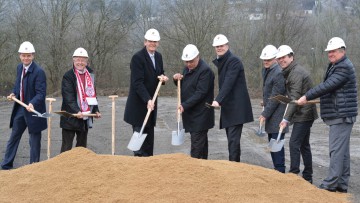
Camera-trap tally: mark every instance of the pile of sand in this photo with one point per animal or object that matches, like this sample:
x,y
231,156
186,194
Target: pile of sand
x,y
80,175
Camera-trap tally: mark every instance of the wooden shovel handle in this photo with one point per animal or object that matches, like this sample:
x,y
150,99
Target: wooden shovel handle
x,y
50,100
149,110
179,99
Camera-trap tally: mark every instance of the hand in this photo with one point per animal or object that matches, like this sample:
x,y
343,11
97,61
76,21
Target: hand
x,y
262,119
98,115
30,107
302,100
181,109
215,104
283,124
150,105
80,115
163,78
178,76
10,96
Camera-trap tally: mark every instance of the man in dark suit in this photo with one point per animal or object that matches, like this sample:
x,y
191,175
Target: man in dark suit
x,y
233,95
273,84
197,82
146,65
30,88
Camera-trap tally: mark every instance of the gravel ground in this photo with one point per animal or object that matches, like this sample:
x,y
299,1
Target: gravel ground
x,y
254,149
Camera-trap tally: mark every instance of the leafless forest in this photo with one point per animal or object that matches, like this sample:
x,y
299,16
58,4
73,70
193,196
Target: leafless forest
x,y
112,30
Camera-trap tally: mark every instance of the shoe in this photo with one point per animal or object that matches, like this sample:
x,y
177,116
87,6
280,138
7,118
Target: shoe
x,y
323,187
341,190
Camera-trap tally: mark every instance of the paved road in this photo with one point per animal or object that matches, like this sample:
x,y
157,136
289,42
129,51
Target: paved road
x,y
253,148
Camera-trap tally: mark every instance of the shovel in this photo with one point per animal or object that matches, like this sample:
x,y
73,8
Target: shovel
x,y
138,138
287,100
261,132
277,145
177,137
37,114
68,115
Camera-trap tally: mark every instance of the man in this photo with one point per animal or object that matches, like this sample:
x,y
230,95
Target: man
x,y
30,88
233,95
273,84
197,82
297,82
338,107
79,97
146,65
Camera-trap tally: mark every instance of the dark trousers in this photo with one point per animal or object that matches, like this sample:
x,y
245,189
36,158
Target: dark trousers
x,y
147,149
18,128
199,144
68,138
233,134
278,158
300,145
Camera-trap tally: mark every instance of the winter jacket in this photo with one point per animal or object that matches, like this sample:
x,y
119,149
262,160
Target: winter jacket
x,y
298,82
70,102
197,88
273,84
233,93
338,91
143,83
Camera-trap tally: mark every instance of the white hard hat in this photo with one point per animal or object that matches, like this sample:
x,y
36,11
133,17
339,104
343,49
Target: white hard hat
x,y
81,52
219,40
269,52
283,50
26,48
152,35
335,43
189,52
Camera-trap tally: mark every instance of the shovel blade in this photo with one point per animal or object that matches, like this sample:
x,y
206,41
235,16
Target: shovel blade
x,y
136,141
177,137
276,146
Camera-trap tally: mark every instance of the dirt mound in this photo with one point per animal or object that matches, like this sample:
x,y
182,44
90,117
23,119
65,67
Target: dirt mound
x,y
80,175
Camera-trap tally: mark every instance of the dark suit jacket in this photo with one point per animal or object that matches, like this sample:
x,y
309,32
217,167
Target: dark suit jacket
x,y
273,84
197,88
233,94
70,102
143,83
34,92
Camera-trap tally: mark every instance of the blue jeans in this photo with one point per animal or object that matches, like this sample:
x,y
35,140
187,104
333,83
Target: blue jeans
x,y
278,158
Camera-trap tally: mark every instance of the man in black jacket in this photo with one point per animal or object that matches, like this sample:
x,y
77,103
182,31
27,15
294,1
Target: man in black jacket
x,y
339,107
79,97
233,95
297,82
146,65
197,82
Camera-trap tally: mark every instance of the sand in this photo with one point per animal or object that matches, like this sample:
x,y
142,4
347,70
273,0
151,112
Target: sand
x,y
80,175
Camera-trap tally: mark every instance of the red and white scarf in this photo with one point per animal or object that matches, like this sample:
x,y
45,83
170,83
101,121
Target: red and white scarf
x,y
85,93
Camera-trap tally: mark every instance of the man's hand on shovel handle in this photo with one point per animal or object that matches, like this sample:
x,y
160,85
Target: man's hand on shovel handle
x,y
30,107
177,76
283,124
163,78
302,100
98,115
215,104
10,96
150,105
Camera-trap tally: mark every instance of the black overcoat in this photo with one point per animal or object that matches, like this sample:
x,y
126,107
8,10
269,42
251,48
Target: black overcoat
x,y
143,83
197,88
233,93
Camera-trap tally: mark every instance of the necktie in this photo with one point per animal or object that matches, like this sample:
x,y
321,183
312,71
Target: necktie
x,y
153,60
22,85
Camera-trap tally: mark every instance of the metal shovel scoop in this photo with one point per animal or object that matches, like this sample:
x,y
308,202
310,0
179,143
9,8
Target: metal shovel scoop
x,y
138,138
287,100
276,145
260,132
37,114
177,137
